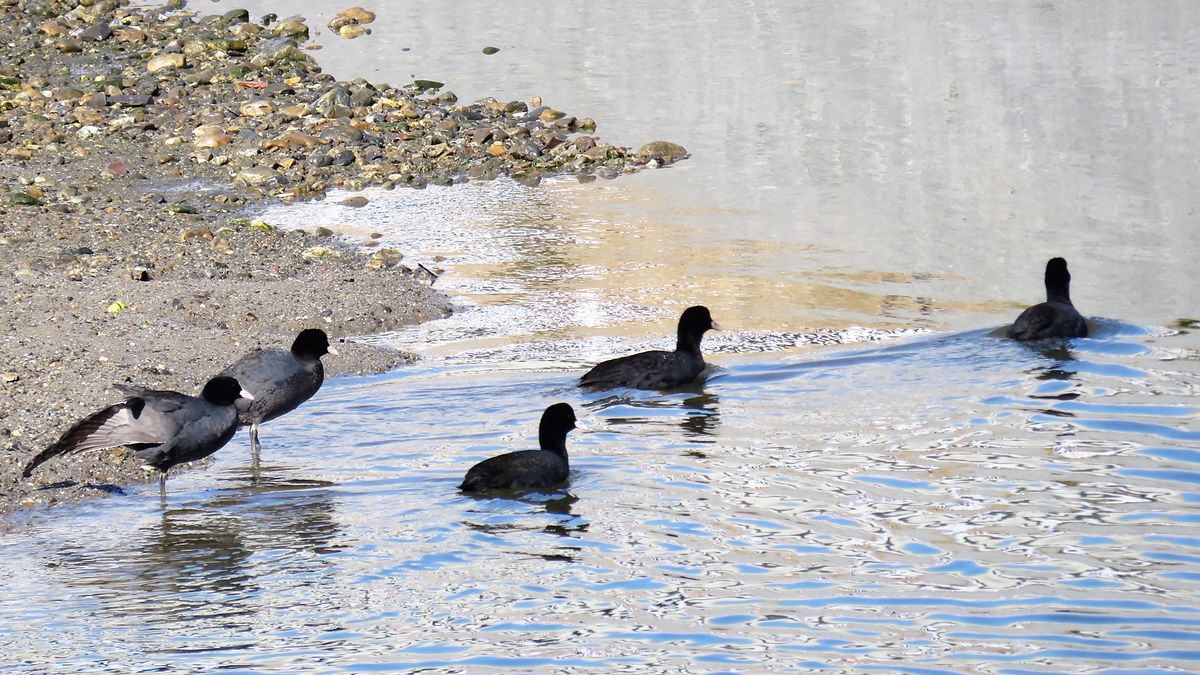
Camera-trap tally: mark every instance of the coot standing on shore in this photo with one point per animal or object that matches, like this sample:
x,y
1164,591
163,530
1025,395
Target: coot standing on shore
x,y
281,380
163,428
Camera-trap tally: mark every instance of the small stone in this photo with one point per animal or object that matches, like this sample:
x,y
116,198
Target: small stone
x,y
11,377
256,108
210,136
350,17
358,14
584,143
54,27
664,150
550,114
133,35
96,32
296,110
490,50
129,100
22,199
334,103
164,61
497,149
384,258
323,232
258,176
293,27
424,85
351,31
356,201
318,252
196,233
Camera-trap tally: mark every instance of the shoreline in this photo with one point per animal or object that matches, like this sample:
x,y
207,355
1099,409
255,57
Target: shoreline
x,y
135,141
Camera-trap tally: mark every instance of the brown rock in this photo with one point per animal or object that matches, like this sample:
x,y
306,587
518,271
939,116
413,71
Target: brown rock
x,y
662,150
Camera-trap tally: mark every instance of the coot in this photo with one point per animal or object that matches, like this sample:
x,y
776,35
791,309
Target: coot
x,y
659,369
280,379
163,428
1055,318
529,468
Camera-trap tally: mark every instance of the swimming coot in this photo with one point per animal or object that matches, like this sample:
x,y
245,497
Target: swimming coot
x,y
163,428
1055,318
529,468
659,369
280,379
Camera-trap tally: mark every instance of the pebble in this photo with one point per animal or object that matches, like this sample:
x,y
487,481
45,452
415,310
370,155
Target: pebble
x,y
256,108
165,61
664,150
96,32
351,16
257,176
23,199
210,136
356,201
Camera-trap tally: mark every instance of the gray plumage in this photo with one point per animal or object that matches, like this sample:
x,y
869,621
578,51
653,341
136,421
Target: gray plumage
x,y
280,379
658,369
529,468
163,428
1055,318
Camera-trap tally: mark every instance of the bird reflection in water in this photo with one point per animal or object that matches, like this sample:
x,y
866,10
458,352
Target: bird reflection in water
x,y
502,519
701,416
700,410
202,561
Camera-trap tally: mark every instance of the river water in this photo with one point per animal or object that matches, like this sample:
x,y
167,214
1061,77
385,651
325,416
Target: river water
x,y
869,480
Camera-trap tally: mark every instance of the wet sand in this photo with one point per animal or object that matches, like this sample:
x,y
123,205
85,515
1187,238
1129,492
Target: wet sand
x,y
137,147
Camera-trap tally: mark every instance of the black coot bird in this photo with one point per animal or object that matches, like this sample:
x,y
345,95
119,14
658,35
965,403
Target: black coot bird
x,y
280,379
659,369
529,468
1055,318
163,428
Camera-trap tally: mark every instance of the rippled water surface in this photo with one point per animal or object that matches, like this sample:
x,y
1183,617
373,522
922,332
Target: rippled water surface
x,y
869,478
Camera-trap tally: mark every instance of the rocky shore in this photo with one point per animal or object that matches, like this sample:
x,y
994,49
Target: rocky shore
x,y
135,147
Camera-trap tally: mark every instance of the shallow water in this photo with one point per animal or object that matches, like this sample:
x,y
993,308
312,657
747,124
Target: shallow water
x,y
941,503
869,479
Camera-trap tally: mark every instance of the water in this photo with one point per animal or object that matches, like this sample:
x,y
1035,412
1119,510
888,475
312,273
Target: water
x,y
870,479
941,503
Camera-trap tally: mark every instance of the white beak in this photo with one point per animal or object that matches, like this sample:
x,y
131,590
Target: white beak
x,y
246,395
331,350
715,325
586,424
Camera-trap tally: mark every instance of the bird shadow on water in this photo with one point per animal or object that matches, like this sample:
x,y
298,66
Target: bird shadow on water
x,y
106,488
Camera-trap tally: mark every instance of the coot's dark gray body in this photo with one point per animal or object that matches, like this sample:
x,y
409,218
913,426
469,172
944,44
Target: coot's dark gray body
x,y
546,467
658,369
1055,318
280,379
163,428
